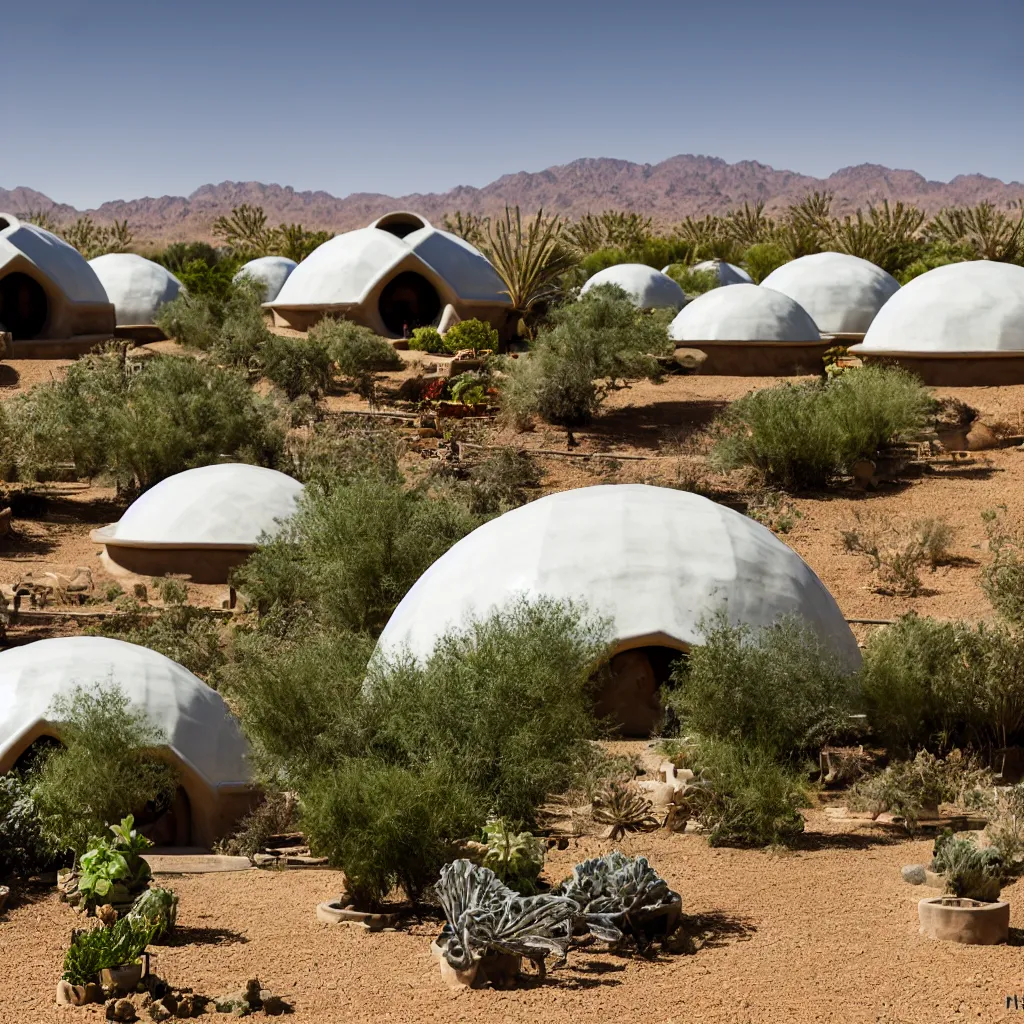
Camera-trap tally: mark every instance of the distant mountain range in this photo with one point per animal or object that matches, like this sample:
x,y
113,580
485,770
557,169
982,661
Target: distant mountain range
x,y
668,192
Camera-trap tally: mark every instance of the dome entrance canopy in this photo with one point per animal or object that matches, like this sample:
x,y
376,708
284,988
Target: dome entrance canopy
x,y
408,300
24,309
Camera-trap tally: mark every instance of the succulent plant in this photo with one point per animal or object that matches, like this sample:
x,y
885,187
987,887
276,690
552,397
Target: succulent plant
x,y
156,907
517,858
624,809
971,870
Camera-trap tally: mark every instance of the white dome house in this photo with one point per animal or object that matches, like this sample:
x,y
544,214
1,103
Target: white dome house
x,y
957,325
728,273
51,301
842,293
269,271
204,742
138,288
200,523
655,561
749,330
398,273
647,287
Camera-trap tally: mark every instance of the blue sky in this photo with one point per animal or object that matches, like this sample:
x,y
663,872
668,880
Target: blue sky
x,y
110,99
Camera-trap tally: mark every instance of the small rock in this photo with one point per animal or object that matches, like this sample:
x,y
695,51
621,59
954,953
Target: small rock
x,y
121,1010
274,1006
158,1011
190,1006
913,873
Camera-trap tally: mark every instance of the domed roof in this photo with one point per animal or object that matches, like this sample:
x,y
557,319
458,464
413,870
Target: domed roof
x,y
194,719
270,271
842,293
647,287
63,264
728,273
962,307
656,561
227,505
347,268
743,312
136,286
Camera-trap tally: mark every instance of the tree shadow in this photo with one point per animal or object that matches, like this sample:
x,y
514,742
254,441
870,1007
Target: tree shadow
x,y
182,936
718,928
1015,937
646,426
814,842
9,376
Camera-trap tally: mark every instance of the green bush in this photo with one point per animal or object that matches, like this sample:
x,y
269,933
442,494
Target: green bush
x,y
781,689
105,770
474,334
140,421
502,481
352,551
1003,578
356,350
762,258
426,339
944,684
971,871
749,797
395,762
24,847
693,282
297,366
592,345
805,435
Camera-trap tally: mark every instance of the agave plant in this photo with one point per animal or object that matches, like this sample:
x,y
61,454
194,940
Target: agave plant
x,y
624,810
485,917
619,897
156,908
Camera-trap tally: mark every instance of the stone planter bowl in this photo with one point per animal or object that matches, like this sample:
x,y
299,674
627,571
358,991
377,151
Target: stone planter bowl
x,y
124,978
334,912
957,919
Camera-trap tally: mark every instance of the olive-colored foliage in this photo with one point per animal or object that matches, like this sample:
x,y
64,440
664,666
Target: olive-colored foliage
x,y
1003,578
762,258
805,435
105,770
474,334
591,346
693,282
297,366
25,848
356,350
426,339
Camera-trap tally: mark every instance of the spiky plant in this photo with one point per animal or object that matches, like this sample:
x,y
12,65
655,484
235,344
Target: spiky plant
x,y
807,224
296,243
612,229
468,226
990,233
750,225
245,231
623,809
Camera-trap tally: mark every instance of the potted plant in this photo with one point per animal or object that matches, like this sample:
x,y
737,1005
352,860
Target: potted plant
x,y
111,870
112,957
970,911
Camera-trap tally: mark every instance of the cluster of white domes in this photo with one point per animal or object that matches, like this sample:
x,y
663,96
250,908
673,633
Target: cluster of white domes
x,y
269,271
136,286
743,312
842,293
648,288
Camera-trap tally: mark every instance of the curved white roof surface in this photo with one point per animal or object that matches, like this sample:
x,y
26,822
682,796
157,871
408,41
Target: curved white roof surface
x,y
136,286
743,312
345,269
270,271
842,293
194,719
227,505
647,287
61,263
657,561
728,273
961,307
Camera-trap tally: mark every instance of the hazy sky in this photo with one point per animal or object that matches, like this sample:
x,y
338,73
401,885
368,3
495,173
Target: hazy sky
x,y
111,99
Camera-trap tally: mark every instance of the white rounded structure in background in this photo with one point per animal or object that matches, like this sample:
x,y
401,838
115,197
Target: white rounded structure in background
x,y
647,287
961,324
51,300
842,293
200,523
728,273
204,742
654,560
136,286
269,271
399,273
744,312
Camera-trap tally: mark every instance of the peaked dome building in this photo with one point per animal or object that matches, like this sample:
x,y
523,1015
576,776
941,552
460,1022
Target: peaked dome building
x,y
398,273
647,287
51,300
728,273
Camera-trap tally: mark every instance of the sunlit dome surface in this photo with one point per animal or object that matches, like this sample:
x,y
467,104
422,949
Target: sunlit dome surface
x,y
656,561
842,293
728,273
647,287
270,271
193,718
136,286
227,505
743,312
962,307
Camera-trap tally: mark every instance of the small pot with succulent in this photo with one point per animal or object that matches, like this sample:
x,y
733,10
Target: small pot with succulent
x,y
110,957
970,911
111,871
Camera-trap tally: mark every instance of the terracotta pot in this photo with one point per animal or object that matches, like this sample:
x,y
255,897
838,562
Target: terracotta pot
x,y
126,977
957,919
499,970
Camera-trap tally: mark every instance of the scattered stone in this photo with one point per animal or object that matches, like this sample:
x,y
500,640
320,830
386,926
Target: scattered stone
x,y
78,995
158,1011
121,1010
106,915
913,873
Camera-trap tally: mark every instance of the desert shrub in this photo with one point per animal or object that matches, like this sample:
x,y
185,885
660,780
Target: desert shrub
x,y
781,689
502,481
178,254
971,871
592,345
296,366
804,435
748,796
426,339
340,449
355,349
275,815
473,334
1003,578
693,282
939,684
352,551
243,335
139,421
193,320
897,554
1005,830
762,258
24,846
105,770
397,761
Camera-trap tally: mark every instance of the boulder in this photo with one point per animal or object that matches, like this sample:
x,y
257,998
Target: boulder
x,y
913,873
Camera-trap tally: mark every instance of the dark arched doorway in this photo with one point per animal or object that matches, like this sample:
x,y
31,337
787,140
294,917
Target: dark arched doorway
x,y
23,306
36,753
629,689
400,224
409,300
